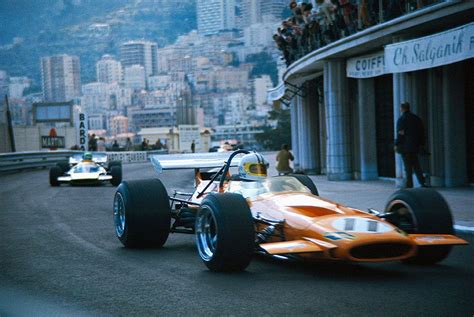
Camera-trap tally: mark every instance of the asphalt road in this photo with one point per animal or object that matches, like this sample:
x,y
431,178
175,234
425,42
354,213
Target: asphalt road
x,y
59,256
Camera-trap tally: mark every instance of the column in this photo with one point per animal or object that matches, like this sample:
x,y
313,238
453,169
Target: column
x,y
294,132
367,135
435,127
337,121
401,93
310,131
454,126
322,129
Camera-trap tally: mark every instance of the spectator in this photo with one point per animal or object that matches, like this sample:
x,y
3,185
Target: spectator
x,y
115,146
283,158
410,140
101,144
193,147
144,145
128,145
158,144
92,142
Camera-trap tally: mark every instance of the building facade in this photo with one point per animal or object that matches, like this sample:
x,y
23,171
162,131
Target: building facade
x,y
61,77
345,111
109,70
143,53
214,16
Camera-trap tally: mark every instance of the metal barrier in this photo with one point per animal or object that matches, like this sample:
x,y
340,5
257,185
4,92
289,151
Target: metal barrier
x,y
26,160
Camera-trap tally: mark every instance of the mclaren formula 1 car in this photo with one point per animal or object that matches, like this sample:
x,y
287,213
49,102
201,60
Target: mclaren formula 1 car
x,y
86,169
235,216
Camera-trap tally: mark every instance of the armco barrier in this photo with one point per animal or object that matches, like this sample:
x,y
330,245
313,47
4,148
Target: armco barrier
x,y
26,160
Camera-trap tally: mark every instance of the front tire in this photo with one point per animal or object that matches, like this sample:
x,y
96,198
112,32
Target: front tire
x,y
54,173
64,166
422,211
116,172
225,235
142,214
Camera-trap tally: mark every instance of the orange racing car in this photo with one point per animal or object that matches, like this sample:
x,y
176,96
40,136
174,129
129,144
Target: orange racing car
x,y
235,216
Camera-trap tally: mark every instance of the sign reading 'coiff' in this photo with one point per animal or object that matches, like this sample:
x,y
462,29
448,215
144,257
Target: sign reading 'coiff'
x,y
366,66
431,51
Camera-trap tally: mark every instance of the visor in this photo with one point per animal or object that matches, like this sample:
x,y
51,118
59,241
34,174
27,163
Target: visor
x,y
256,169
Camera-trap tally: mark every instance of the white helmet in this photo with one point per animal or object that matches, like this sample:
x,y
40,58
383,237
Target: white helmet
x,y
253,167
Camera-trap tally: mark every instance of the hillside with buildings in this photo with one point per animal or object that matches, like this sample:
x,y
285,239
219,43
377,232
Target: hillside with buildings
x,y
85,28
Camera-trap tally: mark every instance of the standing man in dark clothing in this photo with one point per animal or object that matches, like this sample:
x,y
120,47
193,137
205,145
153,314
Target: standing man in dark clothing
x,y
193,147
410,140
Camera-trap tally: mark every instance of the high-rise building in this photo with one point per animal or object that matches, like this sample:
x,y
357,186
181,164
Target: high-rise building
x,y
257,11
215,15
251,12
134,77
109,70
273,9
118,125
142,53
61,77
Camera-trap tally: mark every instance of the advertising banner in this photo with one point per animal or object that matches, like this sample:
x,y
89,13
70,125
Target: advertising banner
x,y
82,131
431,51
366,66
188,134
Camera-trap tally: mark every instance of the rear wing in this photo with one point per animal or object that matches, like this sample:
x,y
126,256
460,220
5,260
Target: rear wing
x,y
191,161
97,157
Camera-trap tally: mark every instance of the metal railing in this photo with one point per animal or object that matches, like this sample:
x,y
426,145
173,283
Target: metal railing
x,y
26,160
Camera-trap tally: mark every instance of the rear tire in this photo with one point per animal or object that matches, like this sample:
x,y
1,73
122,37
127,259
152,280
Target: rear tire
x,y
308,182
422,211
54,173
225,234
116,172
142,214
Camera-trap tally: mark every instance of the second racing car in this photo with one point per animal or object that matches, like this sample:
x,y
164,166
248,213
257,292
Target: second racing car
x,y
86,169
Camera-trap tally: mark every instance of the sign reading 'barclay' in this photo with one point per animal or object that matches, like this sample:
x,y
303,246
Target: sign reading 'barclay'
x,y
435,50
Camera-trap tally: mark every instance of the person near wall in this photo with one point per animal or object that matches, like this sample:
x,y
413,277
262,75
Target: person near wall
x,y
409,143
283,158
193,147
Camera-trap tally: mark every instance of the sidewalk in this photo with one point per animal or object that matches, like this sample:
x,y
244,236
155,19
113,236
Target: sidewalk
x,y
374,194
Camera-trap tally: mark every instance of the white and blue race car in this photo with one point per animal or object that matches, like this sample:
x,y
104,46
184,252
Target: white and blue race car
x,y
86,169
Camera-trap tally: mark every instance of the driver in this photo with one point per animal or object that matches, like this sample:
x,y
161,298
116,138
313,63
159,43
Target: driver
x,y
87,156
253,173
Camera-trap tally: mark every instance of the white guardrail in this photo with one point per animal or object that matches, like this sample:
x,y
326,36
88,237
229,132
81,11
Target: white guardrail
x,y
25,160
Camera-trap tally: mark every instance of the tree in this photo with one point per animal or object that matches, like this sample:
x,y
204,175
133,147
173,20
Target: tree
x,y
273,137
263,65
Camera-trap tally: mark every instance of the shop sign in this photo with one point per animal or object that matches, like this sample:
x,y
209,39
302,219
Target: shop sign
x,y
366,66
431,51
82,132
52,141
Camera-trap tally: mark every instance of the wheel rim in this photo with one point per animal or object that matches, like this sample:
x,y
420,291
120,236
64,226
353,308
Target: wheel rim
x,y
403,215
119,214
206,233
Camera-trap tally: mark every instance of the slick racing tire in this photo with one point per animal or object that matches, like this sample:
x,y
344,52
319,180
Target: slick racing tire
x,y
116,172
306,181
424,211
225,235
114,163
64,166
142,214
54,173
